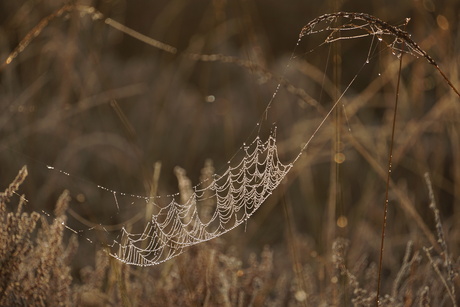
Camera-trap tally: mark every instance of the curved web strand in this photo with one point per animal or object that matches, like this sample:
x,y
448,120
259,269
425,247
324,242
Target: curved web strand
x,y
237,194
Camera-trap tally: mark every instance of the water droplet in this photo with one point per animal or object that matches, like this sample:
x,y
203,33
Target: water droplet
x,y
210,98
49,167
300,296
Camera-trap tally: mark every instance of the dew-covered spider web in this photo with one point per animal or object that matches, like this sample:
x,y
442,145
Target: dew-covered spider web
x,y
229,198
215,207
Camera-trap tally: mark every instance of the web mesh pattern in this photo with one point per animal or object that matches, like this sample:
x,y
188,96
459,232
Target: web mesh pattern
x,y
233,197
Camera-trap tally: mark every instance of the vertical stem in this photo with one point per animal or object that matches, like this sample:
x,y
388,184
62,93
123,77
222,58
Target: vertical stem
x,y
385,209
297,266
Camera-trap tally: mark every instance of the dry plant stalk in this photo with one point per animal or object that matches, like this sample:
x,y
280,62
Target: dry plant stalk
x,y
34,268
373,26
448,282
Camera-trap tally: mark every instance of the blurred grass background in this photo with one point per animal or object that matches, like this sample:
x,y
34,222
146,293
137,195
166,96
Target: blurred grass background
x,y
104,107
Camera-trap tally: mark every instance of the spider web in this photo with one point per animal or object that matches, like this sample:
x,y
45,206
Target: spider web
x,y
236,195
223,202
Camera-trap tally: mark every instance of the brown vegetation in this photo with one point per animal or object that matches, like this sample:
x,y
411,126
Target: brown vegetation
x,y
95,103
